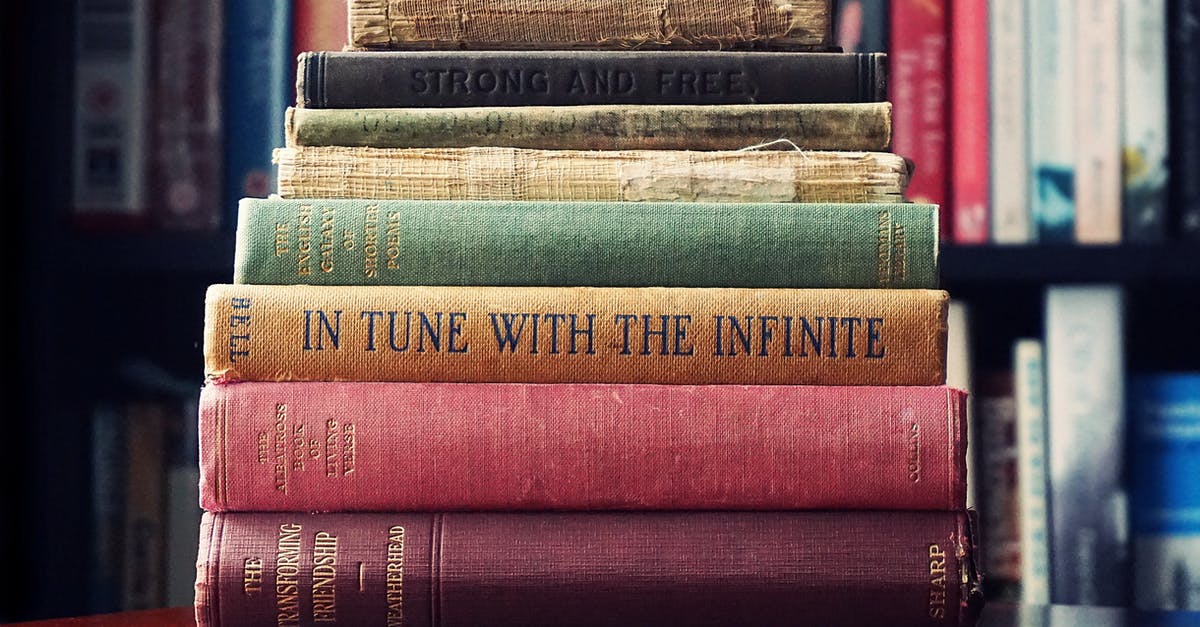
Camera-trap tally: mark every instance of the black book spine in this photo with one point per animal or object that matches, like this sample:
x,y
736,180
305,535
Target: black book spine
x,y
517,78
1184,65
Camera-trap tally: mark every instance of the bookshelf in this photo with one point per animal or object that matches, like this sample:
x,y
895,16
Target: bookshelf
x,y
91,302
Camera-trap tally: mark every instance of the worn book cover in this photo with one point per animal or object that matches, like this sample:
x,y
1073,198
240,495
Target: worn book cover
x,y
597,446
575,334
840,126
715,24
463,242
481,78
488,173
594,569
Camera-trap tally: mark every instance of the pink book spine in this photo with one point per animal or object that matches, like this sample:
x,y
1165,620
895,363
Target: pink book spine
x,y
919,91
969,185
473,446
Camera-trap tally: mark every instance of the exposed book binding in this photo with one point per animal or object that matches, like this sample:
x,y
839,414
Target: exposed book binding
x,y
488,173
400,24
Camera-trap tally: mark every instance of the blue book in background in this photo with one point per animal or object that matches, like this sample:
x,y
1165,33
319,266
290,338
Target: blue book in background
x,y
259,85
1165,459
862,25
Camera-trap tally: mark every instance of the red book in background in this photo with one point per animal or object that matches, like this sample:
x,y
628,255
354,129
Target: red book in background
x,y
969,89
587,569
919,91
185,170
319,446
319,25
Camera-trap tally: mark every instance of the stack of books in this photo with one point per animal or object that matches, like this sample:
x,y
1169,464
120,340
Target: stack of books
x,y
553,322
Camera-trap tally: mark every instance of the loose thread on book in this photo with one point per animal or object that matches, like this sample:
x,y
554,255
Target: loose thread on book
x,y
781,140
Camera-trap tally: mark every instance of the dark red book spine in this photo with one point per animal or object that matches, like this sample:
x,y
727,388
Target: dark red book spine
x,y
920,94
324,446
586,569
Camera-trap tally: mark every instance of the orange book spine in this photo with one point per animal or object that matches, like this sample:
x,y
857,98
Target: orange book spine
x,y
575,334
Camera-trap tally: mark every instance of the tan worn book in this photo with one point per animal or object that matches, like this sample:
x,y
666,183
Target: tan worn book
x,y
660,335
399,24
839,126
620,175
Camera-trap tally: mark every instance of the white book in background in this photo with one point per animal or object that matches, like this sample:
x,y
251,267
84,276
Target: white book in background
x,y
1097,116
1029,388
958,375
1144,128
1051,107
1089,527
112,109
1008,42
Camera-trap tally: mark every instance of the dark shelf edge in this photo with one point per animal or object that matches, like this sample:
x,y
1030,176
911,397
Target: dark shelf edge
x,y
972,265
106,254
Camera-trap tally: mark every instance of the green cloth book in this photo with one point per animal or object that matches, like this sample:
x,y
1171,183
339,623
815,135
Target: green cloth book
x,y
618,244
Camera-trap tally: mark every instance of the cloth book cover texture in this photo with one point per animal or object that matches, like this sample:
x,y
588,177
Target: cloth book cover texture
x,y
486,173
575,334
841,126
349,80
369,242
835,569
518,446
579,23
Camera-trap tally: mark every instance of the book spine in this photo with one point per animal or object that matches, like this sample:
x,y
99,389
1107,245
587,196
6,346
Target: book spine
x,y
144,576
999,508
111,114
969,137
1097,115
597,244
1030,390
598,446
1085,400
488,173
319,25
1184,116
1051,110
578,334
859,127
349,80
919,92
959,376
187,152
586,569
862,25
1144,125
108,467
1165,410
1011,220
256,92
385,24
